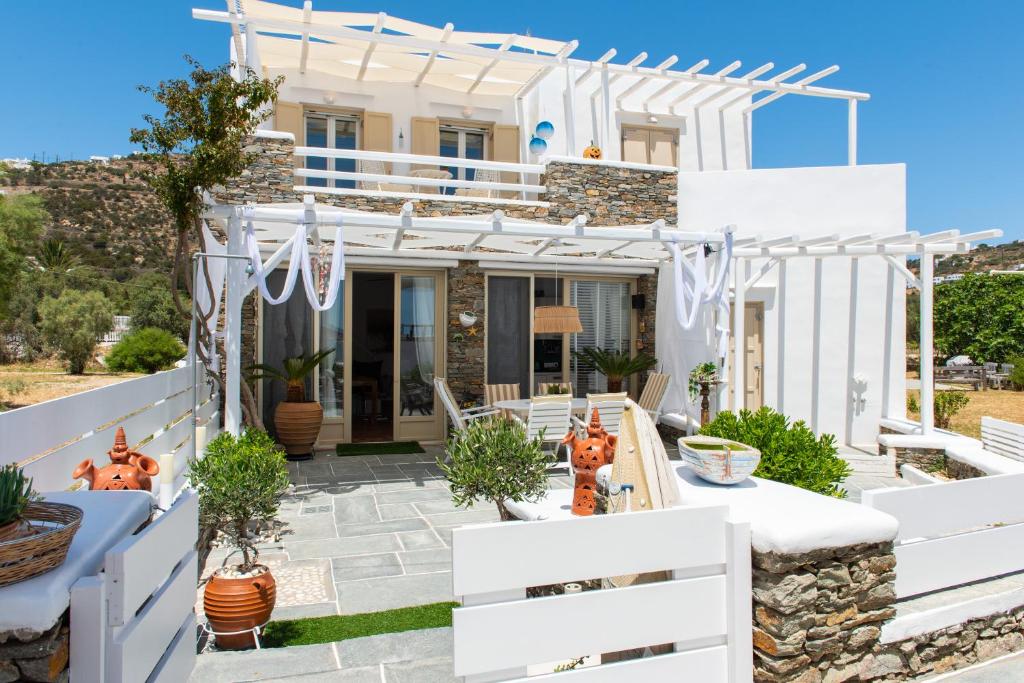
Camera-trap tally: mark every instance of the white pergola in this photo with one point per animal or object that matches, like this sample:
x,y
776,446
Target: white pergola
x,y
376,47
497,241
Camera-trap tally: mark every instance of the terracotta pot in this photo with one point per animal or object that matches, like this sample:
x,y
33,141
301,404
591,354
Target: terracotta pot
x,y
614,385
239,604
298,425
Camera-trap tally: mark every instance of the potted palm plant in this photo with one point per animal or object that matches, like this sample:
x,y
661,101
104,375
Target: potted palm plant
x,y
615,365
296,420
240,481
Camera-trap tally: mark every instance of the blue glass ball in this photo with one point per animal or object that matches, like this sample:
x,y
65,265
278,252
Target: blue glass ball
x,y
538,146
545,130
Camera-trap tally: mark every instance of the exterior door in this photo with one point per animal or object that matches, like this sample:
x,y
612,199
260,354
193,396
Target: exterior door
x,y
753,325
419,343
647,145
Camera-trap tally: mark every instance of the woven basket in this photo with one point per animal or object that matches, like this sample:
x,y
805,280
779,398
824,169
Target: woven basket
x,y
29,556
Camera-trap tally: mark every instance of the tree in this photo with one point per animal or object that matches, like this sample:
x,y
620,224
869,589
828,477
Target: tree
x,y
55,257
21,222
151,305
199,145
981,316
73,323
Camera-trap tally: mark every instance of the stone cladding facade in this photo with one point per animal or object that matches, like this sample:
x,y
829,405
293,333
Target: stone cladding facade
x,y
32,656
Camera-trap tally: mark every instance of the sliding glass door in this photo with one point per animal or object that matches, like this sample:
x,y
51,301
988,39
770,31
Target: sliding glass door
x,y
604,309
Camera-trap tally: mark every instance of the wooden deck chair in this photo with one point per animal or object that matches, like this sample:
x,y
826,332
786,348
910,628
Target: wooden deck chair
x,y
551,415
544,387
609,407
653,395
460,417
501,392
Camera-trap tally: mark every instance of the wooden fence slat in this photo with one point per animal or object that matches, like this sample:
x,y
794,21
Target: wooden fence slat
x,y
136,649
503,635
138,565
935,509
498,557
177,663
706,665
72,416
929,565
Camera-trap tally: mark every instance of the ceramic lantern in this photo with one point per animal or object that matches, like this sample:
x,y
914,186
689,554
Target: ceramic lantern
x,y
128,470
587,456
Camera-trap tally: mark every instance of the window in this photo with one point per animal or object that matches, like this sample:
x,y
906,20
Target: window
x,y
334,131
604,309
462,143
645,145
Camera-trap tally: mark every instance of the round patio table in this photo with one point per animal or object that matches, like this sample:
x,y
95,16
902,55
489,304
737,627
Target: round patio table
x,y
522,405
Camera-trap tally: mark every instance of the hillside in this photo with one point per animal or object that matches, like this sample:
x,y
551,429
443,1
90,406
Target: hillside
x,y
105,213
980,260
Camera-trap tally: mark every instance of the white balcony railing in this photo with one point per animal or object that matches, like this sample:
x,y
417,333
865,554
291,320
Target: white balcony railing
x,y
408,179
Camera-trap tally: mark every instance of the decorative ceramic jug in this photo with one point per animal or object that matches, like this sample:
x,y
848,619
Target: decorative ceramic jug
x,y
587,456
128,470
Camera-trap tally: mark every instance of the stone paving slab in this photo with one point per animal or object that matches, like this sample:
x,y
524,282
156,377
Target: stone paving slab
x,y
374,595
261,665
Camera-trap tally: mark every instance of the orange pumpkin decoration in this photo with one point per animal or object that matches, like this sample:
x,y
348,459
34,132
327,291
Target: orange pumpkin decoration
x,y
588,455
592,151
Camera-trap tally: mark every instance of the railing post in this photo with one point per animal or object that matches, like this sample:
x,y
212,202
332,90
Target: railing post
x,y
739,336
851,126
233,329
926,345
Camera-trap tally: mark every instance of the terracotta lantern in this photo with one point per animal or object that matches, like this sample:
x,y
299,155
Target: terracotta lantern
x,y
588,455
128,470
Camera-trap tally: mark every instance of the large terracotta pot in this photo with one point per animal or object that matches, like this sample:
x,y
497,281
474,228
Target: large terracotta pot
x,y
239,604
298,425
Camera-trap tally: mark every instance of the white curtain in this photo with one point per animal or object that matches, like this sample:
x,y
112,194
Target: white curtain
x,y
680,350
421,311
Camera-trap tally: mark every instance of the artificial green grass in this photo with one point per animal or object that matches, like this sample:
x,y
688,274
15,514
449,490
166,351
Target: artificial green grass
x,y
385,448
343,627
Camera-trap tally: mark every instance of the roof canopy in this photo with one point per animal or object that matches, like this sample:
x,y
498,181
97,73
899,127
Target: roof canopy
x,y
380,48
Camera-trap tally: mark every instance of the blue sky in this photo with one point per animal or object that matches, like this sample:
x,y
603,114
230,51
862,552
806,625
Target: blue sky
x,y
946,78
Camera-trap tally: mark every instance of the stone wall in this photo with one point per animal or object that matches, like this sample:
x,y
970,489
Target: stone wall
x,y
466,351
610,195
28,656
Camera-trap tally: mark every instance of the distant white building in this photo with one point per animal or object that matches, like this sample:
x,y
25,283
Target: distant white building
x,y
20,164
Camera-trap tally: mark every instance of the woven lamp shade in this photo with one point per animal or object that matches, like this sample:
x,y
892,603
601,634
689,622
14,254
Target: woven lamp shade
x,y
557,319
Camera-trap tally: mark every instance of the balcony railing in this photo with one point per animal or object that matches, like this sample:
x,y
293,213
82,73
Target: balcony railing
x,y
409,179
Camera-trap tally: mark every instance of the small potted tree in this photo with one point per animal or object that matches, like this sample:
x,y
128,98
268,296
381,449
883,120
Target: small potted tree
x,y
492,460
702,378
615,365
296,420
240,482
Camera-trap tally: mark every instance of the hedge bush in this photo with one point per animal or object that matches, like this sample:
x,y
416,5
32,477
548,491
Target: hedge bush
x,y
790,453
147,350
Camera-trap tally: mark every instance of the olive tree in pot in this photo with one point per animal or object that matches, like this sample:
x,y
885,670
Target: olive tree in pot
x,y
492,460
296,420
240,481
615,365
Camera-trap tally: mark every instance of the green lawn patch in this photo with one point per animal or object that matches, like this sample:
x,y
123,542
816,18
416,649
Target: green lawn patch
x,y
343,627
385,448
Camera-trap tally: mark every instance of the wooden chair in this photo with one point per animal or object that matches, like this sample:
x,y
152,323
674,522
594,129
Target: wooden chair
x,y
653,395
501,392
609,407
544,387
460,417
551,415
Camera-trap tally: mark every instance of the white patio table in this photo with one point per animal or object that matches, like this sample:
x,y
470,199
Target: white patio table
x,y
522,405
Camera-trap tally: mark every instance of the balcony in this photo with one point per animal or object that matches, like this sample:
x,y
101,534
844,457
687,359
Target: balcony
x,y
414,176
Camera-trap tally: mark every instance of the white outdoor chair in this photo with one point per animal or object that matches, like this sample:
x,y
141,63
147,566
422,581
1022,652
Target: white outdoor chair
x,y
609,408
483,175
376,167
433,173
653,395
460,417
551,415
501,392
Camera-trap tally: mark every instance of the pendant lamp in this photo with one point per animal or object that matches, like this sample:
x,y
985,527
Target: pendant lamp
x,y
556,319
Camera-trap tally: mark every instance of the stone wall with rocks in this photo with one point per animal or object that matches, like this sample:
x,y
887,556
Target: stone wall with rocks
x,y
466,350
610,194
28,656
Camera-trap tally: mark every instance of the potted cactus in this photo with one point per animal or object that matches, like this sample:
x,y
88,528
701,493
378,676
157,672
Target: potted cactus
x,y
15,495
240,481
296,420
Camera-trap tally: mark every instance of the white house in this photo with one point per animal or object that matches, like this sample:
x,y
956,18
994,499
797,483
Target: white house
x,y
383,120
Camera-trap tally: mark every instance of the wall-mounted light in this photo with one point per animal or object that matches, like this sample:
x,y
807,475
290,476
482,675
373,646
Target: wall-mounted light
x,y
401,139
329,97
467,112
652,119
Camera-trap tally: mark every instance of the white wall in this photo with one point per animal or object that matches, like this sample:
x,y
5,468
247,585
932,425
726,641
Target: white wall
x,y
827,321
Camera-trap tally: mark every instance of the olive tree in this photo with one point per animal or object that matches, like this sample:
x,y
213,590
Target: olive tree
x,y
73,323
199,144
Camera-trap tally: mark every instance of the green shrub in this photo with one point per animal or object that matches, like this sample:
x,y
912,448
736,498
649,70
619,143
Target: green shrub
x,y
1017,374
947,405
239,481
73,323
790,454
147,350
492,460
151,305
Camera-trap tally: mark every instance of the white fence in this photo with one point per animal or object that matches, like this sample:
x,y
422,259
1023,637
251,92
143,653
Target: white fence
x,y
49,439
134,621
1002,437
371,176
956,532
703,609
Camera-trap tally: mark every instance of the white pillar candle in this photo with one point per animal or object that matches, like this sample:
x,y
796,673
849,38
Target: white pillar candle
x,y
200,439
166,481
